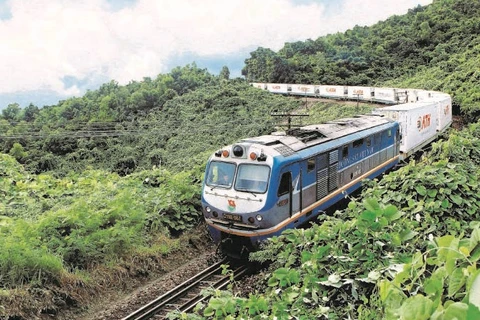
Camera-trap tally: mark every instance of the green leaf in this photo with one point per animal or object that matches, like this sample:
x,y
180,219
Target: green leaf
x,y
371,204
272,281
474,298
432,193
368,216
433,286
352,205
445,204
445,241
473,312
209,312
416,308
475,254
391,213
456,199
407,234
456,310
456,281
291,296
421,190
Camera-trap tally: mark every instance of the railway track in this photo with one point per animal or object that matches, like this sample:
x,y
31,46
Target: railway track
x,y
187,295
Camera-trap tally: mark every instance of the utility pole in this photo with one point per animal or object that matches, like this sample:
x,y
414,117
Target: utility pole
x,y
289,115
305,89
358,100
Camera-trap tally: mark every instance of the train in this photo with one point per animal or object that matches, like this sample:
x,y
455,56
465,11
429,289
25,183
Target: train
x,y
260,186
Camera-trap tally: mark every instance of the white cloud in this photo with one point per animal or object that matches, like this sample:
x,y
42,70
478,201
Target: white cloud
x,y
46,40
368,12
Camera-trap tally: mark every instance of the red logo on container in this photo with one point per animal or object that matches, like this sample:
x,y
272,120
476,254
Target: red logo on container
x,y
424,122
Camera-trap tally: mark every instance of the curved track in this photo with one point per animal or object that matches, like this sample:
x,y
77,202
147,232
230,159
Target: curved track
x,y
187,295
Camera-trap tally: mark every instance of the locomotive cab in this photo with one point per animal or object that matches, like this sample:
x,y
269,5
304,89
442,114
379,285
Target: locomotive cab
x,y
236,185
237,179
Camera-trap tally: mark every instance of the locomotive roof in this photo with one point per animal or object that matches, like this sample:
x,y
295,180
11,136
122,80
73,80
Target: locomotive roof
x,y
303,137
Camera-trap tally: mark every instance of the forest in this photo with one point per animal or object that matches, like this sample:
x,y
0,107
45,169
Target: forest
x,y
104,186
435,47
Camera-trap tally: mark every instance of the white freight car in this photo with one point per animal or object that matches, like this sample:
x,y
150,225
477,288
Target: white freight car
x,y
361,93
258,85
417,124
334,92
302,89
444,112
385,95
277,88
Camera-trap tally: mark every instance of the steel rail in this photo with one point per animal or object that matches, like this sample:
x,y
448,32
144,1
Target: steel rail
x,y
220,284
154,307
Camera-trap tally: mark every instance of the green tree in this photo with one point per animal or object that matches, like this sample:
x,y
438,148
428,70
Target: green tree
x,y
18,152
224,73
30,112
260,66
11,112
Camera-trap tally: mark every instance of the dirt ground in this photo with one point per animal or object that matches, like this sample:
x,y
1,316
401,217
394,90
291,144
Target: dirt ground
x,y
116,303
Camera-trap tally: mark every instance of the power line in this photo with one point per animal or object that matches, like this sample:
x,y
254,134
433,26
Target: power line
x,y
200,128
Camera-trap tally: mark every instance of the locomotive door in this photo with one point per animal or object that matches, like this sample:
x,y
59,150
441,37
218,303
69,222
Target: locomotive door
x,y
284,194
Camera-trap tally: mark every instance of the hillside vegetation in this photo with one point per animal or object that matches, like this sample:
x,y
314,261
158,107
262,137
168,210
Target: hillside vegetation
x,y
104,186
434,47
143,124
408,248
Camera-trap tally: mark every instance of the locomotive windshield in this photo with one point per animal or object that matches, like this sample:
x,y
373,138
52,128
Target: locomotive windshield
x,y
252,178
220,174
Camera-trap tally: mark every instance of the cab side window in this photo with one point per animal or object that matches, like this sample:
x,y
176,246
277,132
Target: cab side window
x,y
285,183
310,164
345,152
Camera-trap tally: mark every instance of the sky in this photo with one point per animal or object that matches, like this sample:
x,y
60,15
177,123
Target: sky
x,y
51,50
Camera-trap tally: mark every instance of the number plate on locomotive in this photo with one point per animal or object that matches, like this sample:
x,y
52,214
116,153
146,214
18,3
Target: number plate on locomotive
x,y
232,217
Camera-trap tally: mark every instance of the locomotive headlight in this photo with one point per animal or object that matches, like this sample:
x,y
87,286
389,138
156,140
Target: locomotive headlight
x,y
259,217
225,153
238,151
215,214
253,155
208,210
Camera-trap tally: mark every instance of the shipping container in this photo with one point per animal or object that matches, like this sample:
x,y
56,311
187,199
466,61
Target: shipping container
x,y
259,85
444,112
334,92
303,89
385,95
424,95
361,93
277,88
417,124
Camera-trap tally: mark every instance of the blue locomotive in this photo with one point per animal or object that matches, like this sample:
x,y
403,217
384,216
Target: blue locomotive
x,y
261,186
